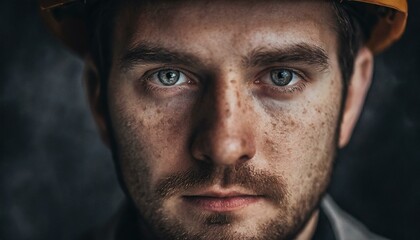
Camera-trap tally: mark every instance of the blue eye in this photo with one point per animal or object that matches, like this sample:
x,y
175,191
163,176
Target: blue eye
x,y
281,77
168,77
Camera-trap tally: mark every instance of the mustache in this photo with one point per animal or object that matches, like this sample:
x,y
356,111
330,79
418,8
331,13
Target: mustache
x,y
259,182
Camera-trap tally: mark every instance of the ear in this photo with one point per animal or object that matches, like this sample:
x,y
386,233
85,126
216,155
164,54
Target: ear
x,y
358,87
95,94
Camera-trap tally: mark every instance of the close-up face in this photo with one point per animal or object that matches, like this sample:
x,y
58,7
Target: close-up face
x,y
225,116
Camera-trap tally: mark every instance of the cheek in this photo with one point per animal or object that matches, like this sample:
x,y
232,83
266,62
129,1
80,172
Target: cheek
x,y
151,137
300,140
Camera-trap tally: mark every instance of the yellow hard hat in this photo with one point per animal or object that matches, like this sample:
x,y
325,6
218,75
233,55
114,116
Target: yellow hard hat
x,y
67,19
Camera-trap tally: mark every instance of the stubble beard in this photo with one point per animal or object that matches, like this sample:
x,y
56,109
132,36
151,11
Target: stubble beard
x,y
291,218
293,213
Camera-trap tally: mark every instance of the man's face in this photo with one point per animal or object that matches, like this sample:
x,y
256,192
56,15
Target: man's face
x,y
225,114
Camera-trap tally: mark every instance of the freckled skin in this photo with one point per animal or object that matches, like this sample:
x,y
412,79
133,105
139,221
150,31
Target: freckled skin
x,y
226,121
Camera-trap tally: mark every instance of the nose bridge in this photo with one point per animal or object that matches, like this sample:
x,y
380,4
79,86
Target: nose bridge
x,y
227,103
227,138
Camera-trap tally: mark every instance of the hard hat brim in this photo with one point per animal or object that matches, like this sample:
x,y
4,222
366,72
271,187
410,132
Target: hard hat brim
x,y
389,27
68,20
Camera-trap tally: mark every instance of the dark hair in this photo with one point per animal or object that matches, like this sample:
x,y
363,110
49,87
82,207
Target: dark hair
x,y
101,25
353,27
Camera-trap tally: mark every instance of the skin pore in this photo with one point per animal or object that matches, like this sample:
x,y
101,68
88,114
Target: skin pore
x,y
211,140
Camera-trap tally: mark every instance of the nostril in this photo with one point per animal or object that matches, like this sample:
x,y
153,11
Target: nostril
x,y
200,155
223,144
244,158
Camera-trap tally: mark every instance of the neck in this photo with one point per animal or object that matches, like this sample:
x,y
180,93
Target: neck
x,y
309,229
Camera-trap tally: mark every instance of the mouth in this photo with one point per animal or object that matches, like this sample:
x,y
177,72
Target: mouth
x,y
221,201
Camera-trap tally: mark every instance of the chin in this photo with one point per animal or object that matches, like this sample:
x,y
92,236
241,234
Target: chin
x,y
259,220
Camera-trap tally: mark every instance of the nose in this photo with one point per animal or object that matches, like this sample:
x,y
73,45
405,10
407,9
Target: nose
x,y
224,135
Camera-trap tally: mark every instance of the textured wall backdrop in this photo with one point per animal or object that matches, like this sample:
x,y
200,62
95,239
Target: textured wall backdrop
x,y
57,180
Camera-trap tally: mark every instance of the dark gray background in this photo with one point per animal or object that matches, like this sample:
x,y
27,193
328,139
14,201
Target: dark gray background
x,y
57,180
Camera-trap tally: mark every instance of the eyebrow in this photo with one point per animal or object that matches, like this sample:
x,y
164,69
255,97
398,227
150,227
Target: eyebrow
x,y
147,53
297,53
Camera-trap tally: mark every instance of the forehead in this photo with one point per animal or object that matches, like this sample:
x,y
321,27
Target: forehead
x,y
222,27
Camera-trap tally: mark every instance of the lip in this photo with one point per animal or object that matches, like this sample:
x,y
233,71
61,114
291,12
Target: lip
x,y
217,201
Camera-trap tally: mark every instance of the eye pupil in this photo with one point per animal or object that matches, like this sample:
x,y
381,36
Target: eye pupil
x,y
281,77
168,77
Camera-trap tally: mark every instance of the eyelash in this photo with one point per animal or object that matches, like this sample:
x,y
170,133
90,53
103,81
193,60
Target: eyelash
x,y
298,87
150,87
146,80
285,90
